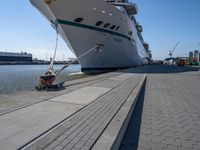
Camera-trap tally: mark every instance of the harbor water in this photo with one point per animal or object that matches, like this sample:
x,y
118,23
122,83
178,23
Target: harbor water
x,y
15,78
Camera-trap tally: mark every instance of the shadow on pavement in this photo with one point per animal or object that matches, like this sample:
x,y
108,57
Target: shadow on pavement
x,y
131,137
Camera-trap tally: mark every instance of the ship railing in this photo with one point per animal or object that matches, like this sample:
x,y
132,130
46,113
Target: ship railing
x,y
131,8
112,1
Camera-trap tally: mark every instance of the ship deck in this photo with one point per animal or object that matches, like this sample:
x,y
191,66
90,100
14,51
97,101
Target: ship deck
x,y
150,107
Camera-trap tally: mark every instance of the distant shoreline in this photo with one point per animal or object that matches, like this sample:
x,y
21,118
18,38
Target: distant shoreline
x,y
33,63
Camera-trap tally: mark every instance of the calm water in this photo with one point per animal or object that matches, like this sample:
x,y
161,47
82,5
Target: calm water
x,y
24,77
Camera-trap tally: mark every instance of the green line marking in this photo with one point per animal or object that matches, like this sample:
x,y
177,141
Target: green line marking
x,y
65,22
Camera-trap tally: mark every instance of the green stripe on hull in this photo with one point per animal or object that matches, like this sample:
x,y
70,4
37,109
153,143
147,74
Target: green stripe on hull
x,y
65,22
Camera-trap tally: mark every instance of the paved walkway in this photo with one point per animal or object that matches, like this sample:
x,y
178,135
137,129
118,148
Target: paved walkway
x,y
73,118
83,130
11,102
167,115
90,113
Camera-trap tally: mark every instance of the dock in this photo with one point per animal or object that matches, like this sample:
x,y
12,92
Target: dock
x,y
150,107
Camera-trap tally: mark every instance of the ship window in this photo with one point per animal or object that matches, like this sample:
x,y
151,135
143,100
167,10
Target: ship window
x,y
130,33
113,27
78,20
99,23
117,28
106,25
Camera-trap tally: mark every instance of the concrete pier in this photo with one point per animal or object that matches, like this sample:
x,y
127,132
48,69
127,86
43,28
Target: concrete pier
x,y
151,107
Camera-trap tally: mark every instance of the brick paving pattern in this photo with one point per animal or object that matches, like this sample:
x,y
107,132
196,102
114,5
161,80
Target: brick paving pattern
x,y
8,101
170,114
82,130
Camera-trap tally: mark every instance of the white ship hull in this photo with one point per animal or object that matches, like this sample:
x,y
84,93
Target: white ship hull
x,y
119,48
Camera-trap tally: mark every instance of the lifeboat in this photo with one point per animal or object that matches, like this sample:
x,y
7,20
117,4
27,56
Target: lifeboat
x,y
139,28
131,8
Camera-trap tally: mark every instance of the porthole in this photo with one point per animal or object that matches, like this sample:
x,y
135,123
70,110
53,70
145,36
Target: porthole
x,y
130,33
117,28
113,27
78,20
106,25
99,23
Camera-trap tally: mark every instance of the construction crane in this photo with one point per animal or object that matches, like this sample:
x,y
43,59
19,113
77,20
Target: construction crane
x,y
172,51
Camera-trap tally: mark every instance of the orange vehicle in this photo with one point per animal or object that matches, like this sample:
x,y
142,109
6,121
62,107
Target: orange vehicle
x,y
181,62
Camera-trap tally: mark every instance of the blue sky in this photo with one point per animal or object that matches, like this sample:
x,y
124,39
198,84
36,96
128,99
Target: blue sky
x,y
165,22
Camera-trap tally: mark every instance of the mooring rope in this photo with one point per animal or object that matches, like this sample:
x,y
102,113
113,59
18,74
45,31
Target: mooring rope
x,y
54,56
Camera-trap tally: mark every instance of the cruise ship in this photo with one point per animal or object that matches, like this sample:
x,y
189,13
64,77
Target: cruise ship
x,y
103,34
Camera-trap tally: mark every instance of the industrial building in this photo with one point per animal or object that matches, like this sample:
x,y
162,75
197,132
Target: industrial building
x,y
15,57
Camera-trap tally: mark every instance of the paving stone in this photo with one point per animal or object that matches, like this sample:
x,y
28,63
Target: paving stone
x,y
171,111
84,128
52,145
69,146
58,147
169,117
64,142
156,146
